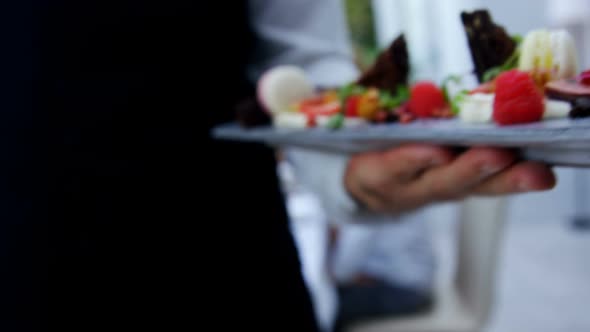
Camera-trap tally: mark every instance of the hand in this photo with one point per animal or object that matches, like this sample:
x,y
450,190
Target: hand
x,y
413,176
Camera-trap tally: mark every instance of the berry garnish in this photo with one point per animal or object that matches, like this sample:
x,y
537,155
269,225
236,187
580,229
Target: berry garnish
x,y
426,98
517,99
403,114
380,117
584,78
385,116
351,106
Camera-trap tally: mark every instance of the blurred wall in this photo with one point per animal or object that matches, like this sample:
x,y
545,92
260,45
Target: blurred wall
x,y
518,16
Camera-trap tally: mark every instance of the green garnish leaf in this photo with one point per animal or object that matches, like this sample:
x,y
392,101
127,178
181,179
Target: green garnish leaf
x,y
517,39
336,121
403,92
389,101
492,73
457,100
445,90
386,99
350,89
510,63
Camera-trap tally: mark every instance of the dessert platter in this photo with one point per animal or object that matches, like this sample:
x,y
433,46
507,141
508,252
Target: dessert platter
x,y
524,92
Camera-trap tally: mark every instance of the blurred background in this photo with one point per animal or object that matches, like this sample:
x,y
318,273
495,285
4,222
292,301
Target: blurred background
x,y
541,281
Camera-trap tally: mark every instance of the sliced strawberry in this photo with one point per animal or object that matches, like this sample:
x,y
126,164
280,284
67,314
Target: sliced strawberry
x,y
312,108
311,121
352,106
310,102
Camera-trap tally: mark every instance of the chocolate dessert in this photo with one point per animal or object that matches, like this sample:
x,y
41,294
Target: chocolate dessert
x,y
574,90
489,44
567,90
390,70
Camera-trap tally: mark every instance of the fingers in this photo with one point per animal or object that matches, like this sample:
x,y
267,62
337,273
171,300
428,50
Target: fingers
x,y
522,177
364,177
457,179
376,178
412,176
409,161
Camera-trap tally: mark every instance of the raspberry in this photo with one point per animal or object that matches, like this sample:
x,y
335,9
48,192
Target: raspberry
x,y
426,98
517,99
403,114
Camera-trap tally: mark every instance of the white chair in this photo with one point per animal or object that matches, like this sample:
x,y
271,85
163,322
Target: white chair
x,y
464,299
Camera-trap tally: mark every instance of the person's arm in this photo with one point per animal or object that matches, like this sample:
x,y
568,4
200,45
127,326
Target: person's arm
x,y
323,173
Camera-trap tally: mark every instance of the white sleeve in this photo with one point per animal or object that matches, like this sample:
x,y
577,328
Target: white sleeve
x,y
311,34
323,174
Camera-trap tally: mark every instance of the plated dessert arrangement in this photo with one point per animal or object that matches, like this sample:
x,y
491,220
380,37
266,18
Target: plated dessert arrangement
x,y
519,80
524,92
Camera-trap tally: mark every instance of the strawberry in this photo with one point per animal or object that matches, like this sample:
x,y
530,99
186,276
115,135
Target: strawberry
x,y
584,78
403,114
320,108
352,106
426,98
517,99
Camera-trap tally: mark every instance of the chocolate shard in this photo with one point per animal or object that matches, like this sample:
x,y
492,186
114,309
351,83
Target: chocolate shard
x,y
390,70
489,44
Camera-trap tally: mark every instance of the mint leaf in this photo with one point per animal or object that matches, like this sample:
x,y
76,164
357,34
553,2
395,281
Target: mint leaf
x,y
344,92
389,101
403,92
336,121
492,73
386,100
350,89
445,90
510,63
517,39
457,100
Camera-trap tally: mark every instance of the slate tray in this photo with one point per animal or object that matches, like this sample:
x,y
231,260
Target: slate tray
x,y
560,142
